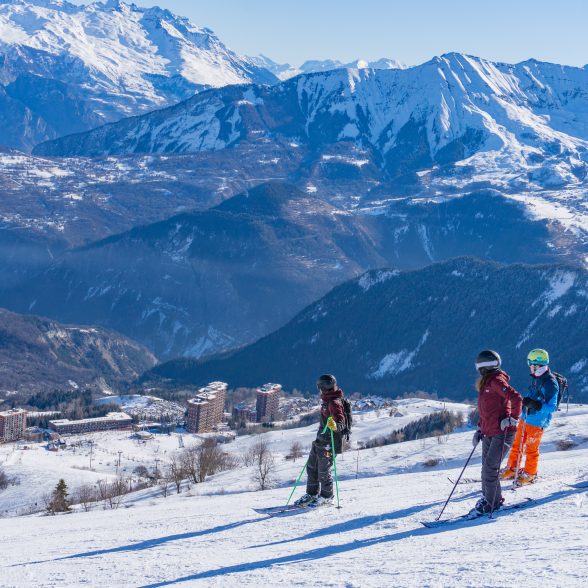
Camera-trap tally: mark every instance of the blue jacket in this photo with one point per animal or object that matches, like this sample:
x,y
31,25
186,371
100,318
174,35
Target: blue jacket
x,y
545,389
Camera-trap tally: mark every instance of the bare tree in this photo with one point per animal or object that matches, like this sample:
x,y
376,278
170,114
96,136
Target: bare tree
x,y
210,459
111,493
163,484
176,472
264,463
296,450
141,472
85,496
4,480
190,462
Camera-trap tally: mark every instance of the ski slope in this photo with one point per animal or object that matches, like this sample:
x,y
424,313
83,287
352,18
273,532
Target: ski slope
x,y
210,536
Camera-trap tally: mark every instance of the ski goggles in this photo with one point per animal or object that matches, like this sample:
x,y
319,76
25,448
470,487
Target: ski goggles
x,y
484,364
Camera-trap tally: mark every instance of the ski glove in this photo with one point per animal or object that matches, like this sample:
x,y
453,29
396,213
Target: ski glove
x,y
331,424
531,404
508,422
478,436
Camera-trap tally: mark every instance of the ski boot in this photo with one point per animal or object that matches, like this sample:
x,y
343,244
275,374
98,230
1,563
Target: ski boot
x,y
484,507
306,500
324,501
507,474
525,478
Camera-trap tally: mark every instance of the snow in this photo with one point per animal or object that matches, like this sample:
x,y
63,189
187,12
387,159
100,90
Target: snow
x,y
122,50
286,71
370,279
210,535
399,361
560,284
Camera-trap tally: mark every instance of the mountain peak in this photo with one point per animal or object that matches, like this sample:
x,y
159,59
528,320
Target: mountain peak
x,y
115,59
265,199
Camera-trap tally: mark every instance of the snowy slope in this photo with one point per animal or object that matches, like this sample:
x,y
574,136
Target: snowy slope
x,y
448,109
39,469
112,58
209,536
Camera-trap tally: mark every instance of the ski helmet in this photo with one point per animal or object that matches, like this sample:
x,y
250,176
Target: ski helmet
x,y
538,357
488,361
326,382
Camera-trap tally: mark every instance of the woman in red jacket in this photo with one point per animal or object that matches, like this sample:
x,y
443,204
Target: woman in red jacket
x,y
499,406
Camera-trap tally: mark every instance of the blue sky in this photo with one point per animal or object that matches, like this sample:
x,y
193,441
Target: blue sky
x,y
411,31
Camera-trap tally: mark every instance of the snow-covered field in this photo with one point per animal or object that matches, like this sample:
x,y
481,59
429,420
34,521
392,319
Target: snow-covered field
x,y
209,535
39,470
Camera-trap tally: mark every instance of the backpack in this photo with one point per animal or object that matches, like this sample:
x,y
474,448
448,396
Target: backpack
x,y
562,382
348,418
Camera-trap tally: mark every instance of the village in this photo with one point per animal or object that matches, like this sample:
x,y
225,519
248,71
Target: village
x,y
135,447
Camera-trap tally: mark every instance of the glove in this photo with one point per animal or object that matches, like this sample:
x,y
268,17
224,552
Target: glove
x,y
331,424
531,404
508,422
478,436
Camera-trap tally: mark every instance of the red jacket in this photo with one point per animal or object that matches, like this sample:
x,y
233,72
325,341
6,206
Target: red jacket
x,y
332,405
497,399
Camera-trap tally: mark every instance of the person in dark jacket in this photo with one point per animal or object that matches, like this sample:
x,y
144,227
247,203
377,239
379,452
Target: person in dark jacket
x,y
539,402
319,484
499,406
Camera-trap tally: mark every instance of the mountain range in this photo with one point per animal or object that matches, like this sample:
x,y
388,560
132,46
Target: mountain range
x,y
218,201
437,130
67,68
455,108
205,281
284,71
394,332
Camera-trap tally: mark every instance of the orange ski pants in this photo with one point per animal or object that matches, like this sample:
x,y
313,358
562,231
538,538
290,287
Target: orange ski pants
x,y
531,441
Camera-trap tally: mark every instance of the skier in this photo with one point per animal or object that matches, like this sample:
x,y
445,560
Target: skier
x,y
499,406
539,402
319,484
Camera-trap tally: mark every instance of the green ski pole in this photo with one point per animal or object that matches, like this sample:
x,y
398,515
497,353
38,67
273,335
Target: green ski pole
x,y
296,484
334,465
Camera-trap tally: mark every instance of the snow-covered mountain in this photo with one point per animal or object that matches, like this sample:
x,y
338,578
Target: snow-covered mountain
x,y
392,332
67,68
284,71
514,124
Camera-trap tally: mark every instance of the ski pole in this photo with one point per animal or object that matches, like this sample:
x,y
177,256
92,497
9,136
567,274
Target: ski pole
x,y
498,475
297,480
334,463
457,481
335,467
520,455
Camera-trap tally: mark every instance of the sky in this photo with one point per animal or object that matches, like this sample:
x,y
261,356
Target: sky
x,y
411,31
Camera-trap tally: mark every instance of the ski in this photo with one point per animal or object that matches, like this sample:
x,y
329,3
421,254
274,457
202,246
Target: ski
x,y
467,481
473,516
273,510
289,509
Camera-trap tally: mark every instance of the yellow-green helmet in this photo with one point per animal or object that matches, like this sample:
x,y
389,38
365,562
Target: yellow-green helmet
x,y
538,357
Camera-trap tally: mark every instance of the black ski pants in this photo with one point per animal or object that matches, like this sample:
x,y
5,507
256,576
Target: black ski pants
x,y
494,450
318,470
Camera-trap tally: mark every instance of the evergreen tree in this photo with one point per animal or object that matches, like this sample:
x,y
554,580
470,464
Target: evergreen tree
x,y
59,501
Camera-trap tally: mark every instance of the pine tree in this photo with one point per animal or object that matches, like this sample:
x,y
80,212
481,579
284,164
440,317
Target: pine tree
x,y
59,501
